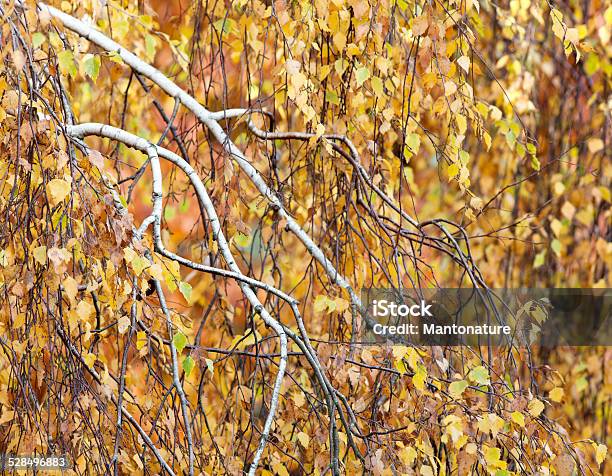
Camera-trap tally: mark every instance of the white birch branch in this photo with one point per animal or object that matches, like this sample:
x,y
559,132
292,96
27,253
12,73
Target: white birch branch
x,y
209,120
138,143
152,150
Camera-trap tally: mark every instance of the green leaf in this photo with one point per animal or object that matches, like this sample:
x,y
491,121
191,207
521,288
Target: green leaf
x,y
91,65
139,264
539,259
38,39
413,141
224,24
556,247
180,341
362,74
241,240
66,63
185,289
592,64
332,97
457,388
150,47
340,66
377,87
188,365
480,375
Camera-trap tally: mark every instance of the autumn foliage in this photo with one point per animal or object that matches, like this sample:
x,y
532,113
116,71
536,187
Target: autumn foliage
x,y
338,145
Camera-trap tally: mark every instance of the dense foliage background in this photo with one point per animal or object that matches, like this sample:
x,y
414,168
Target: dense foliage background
x,y
418,144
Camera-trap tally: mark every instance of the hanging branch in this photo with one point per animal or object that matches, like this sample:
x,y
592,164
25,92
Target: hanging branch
x,y
217,233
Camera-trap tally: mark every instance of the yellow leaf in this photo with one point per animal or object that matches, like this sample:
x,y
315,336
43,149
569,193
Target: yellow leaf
x,y
595,144
57,189
341,304
40,254
19,60
426,470
59,256
123,324
492,457
558,25
156,271
339,40
491,423
487,139
141,339
600,453
377,86
361,75
399,351
186,290
568,210
70,288
7,415
476,203
480,375
242,241
304,439
461,122
408,455
241,342
495,113
322,303
90,360
419,25
319,130
325,69
96,158
449,88
572,35
413,358
129,255
85,310
518,418
471,448
535,407
453,170
464,62
280,470
556,394
419,378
